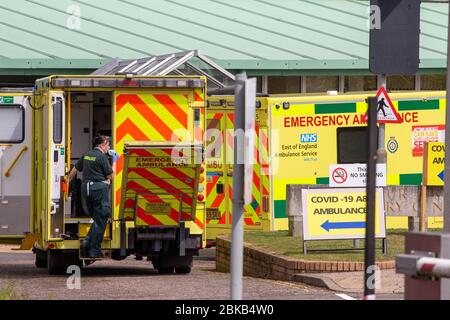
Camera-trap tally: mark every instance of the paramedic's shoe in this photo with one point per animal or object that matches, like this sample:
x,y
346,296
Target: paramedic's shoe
x,y
88,262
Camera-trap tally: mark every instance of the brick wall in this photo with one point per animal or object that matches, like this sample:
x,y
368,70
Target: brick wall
x,y
266,264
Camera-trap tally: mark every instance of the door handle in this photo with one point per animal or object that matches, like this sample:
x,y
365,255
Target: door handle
x,y
7,173
53,207
230,174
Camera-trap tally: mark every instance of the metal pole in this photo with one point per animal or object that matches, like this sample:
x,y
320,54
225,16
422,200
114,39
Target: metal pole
x,y
447,141
381,152
445,285
369,250
2,194
237,234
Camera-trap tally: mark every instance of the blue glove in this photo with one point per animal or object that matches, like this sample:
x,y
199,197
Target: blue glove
x,y
113,155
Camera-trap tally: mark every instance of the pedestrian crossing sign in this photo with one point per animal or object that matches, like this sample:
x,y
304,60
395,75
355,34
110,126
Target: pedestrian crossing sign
x,y
386,112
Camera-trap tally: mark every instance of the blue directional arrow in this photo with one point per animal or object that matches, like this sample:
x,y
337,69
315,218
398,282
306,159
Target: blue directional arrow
x,y
442,175
327,225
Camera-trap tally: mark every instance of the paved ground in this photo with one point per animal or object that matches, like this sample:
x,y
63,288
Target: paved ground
x,y
390,282
131,279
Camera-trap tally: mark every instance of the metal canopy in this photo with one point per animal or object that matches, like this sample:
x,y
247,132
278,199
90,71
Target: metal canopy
x,y
181,63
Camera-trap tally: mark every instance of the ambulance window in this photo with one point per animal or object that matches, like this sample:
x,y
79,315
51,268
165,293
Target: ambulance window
x,y
352,145
12,123
57,121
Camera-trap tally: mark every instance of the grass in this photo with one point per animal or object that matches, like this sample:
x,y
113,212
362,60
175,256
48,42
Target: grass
x,y
8,293
330,250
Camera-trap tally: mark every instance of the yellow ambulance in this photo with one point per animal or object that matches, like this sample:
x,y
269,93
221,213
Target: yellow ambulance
x,y
299,136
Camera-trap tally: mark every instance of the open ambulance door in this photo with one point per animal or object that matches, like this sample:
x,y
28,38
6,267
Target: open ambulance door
x,y
15,166
56,162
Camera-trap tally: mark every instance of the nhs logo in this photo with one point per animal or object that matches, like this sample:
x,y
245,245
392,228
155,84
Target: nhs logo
x,y
308,137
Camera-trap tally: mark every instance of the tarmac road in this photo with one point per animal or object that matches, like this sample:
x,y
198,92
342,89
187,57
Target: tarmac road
x,y
132,279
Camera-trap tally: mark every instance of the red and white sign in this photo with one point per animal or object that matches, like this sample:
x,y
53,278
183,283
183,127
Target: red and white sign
x,y
355,175
339,176
386,112
422,134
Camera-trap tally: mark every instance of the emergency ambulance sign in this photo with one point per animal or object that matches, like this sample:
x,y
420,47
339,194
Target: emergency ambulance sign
x,y
339,214
386,112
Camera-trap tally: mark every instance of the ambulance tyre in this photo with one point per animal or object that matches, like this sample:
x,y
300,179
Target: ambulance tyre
x,y
165,270
41,259
183,269
59,261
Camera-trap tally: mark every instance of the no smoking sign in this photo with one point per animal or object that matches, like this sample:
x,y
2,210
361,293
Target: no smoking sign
x,y
339,175
355,175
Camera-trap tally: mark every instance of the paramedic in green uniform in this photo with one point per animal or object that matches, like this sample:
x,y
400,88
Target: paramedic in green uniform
x,y
95,193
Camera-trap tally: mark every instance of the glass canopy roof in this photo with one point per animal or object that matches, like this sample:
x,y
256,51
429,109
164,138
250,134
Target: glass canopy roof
x,y
181,63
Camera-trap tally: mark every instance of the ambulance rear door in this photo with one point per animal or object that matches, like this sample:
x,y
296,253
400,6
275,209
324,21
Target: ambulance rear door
x,y
15,166
56,161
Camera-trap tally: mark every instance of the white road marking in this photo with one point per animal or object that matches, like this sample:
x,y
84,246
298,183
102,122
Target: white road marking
x,y
345,296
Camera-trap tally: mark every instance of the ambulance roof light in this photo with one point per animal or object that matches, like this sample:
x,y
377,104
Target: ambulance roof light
x,y
121,82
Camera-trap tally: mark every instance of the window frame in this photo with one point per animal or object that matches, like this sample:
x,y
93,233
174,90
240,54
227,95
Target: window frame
x,y
22,108
338,153
61,121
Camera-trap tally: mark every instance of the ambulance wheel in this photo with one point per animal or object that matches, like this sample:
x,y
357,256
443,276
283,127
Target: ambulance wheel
x,y
165,270
183,269
55,263
58,262
41,259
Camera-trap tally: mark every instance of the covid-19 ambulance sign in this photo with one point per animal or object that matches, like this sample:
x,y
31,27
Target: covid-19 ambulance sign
x,y
339,214
434,170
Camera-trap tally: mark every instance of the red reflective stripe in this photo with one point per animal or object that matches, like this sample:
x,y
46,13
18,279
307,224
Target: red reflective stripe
x,y
218,201
172,107
128,127
136,187
141,153
256,180
164,185
248,221
174,172
144,173
145,153
147,218
148,114
118,192
264,139
223,219
265,191
210,185
197,97
199,223
130,203
427,267
119,164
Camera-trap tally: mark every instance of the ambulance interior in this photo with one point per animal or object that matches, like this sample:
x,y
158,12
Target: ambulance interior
x,y
90,115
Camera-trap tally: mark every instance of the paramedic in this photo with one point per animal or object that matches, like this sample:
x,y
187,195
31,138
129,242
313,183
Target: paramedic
x,y
95,193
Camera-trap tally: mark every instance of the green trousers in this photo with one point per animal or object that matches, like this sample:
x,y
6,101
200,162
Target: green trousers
x,y
96,198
